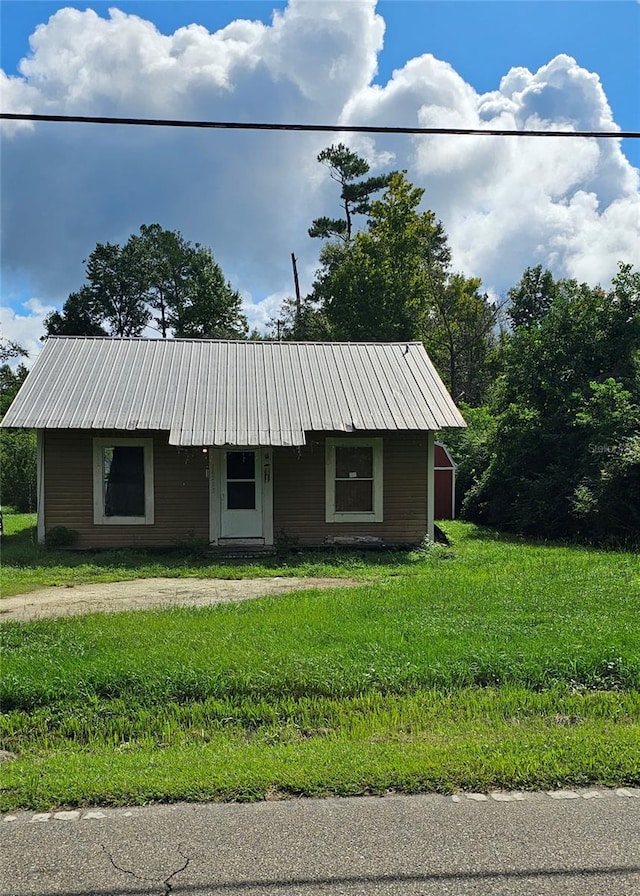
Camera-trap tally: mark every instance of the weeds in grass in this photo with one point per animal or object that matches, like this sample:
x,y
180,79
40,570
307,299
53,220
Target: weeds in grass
x,y
374,715
447,628
476,740
27,565
506,664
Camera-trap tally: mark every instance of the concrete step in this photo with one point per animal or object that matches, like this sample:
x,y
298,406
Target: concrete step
x,y
222,552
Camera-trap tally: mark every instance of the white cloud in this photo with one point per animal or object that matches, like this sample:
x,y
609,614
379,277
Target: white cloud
x,y
244,194
505,203
261,314
25,329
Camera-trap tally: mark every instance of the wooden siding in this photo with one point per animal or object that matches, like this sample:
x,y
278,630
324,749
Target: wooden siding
x,y
299,491
180,483
182,491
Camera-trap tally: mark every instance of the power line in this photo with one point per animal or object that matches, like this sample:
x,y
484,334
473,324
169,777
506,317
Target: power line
x,y
317,128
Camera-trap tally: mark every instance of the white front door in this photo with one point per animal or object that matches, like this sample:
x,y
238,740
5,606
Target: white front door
x,y
241,480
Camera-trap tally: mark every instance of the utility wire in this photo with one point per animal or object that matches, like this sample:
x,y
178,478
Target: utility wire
x,y
318,128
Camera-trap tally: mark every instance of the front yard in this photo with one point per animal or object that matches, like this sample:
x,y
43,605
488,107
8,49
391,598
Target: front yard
x,y
491,664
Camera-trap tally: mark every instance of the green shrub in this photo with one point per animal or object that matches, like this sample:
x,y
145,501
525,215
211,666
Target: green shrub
x,y
60,537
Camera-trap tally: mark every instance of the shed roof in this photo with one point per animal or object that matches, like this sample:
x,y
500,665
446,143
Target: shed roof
x,y
212,392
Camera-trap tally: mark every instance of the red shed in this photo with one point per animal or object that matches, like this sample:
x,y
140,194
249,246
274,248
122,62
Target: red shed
x,y
445,483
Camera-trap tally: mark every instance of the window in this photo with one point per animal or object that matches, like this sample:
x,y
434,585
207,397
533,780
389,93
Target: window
x,y
123,482
354,480
241,480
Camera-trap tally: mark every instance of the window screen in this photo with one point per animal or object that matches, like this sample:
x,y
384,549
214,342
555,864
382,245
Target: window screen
x,y
354,479
241,480
123,478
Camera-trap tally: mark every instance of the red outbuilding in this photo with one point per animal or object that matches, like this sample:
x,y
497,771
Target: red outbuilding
x,y
445,483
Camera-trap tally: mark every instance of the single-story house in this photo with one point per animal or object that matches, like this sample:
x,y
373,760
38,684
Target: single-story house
x,y
152,442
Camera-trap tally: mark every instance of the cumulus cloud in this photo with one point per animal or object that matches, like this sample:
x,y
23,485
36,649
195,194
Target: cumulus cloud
x,y
25,328
506,203
245,194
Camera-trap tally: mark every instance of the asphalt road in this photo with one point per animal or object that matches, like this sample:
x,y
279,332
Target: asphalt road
x,y
584,842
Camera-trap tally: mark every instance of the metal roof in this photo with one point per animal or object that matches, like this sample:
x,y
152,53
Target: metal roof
x,y
211,392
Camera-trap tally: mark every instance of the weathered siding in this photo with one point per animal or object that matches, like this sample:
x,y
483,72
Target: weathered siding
x,y
180,482
299,492
182,491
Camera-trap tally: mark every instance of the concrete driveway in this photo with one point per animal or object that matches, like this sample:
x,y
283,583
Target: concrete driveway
x,y
144,594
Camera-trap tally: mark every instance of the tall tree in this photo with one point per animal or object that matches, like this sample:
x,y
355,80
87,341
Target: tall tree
x,y
79,316
347,169
391,281
305,319
156,277
118,282
209,308
462,337
530,300
380,286
168,259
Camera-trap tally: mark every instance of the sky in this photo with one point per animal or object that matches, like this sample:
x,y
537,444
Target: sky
x,y
572,206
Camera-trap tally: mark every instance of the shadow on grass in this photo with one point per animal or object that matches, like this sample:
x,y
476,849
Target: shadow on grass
x,y
27,537
473,532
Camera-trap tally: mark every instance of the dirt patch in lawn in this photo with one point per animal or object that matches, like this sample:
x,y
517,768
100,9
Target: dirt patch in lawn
x,y
144,594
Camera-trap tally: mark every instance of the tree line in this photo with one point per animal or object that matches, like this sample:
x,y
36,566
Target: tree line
x,y
157,279
548,379
554,451
391,280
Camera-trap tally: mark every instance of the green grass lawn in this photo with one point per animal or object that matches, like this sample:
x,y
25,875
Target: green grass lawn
x,y
495,663
27,566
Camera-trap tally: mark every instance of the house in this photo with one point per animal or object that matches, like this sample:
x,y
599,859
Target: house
x,y
150,442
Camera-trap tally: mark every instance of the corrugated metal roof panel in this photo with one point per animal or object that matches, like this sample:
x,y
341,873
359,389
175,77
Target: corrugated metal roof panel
x,y
208,392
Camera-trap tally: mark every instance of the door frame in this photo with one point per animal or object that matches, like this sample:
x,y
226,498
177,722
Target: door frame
x,y
215,494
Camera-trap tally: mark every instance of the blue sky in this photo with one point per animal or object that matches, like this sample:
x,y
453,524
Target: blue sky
x,y
480,40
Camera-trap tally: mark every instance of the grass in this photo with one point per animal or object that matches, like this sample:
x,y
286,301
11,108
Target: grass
x,y
229,750
28,566
494,664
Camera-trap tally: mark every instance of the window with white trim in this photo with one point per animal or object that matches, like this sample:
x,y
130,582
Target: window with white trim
x,y
123,482
353,480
